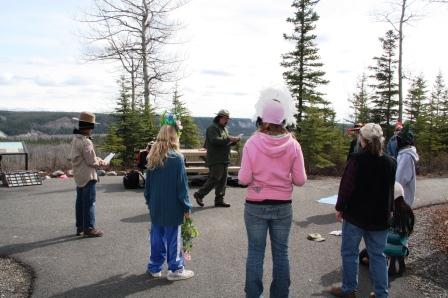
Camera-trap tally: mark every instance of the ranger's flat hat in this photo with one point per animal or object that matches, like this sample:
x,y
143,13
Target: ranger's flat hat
x,y
223,113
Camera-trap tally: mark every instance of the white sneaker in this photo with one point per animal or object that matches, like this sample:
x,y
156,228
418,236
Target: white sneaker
x,y
180,274
155,274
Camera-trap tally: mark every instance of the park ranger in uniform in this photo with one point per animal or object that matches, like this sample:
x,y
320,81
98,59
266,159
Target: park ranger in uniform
x,y
218,143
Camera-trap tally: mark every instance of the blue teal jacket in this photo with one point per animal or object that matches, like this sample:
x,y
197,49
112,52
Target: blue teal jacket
x,y
166,192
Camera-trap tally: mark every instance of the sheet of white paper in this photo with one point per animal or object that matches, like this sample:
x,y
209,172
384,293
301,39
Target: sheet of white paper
x,y
336,233
109,157
329,200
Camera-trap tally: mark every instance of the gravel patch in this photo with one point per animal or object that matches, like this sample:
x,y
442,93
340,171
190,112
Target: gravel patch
x,y
16,279
428,260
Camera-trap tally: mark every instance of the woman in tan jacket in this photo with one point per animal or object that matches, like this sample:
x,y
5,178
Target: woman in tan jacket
x,y
85,163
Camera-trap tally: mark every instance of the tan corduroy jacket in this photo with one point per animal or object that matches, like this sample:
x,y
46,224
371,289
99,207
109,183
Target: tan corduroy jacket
x,y
84,160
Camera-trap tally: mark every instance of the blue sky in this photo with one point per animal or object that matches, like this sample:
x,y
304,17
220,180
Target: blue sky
x,y
232,50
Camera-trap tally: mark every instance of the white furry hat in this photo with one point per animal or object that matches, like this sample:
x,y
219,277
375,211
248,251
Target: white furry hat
x,y
372,131
275,105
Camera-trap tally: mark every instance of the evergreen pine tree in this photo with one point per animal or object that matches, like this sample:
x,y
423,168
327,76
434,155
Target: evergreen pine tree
x,y
429,138
416,98
385,103
438,103
132,129
114,143
360,102
189,137
304,76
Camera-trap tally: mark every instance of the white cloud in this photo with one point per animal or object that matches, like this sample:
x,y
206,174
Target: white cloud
x,y
232,50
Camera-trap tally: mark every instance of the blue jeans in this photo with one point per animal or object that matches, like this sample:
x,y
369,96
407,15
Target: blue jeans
x,y
85,205
375,244
166,244
259,219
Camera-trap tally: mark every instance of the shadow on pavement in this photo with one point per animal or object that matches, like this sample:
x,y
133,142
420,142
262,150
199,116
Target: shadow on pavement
x,y
198,209
24,247
116,187
145,217
136,219
320,220
73,190
334,278
116,286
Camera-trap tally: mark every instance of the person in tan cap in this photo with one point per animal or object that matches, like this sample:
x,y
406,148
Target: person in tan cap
x,y
217,143
365,205
85,163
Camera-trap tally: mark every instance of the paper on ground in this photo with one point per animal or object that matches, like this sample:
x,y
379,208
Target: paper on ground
x,y
336,233
109,157
329,200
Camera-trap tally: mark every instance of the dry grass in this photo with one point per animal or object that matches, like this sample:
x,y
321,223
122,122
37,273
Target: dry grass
x,y
42,157
436,165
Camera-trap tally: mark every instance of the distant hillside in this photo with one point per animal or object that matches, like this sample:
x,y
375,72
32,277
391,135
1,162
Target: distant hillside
x,y
14,123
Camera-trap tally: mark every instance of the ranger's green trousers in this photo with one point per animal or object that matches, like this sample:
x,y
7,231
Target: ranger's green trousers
x,y
217,179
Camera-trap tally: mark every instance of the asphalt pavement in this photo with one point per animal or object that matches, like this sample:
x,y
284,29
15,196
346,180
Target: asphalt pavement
x,y
37,227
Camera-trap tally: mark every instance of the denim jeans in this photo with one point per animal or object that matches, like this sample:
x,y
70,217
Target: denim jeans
x,y
375,244
259,220
85,205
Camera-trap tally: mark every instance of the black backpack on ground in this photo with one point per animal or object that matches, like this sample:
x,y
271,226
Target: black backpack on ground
x,y
133,180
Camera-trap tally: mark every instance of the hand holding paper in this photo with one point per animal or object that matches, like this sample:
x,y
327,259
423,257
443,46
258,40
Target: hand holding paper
x,y
109,157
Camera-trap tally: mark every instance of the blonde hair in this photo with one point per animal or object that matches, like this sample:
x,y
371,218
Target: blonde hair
x,y
166,140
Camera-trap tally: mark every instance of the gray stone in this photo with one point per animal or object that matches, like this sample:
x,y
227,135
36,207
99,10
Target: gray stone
x,y
111,173
57,173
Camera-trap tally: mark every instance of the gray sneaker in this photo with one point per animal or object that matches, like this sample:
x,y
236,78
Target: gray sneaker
x,y
180,274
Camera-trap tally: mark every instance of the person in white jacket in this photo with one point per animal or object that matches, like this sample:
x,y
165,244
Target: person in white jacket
x,y
406,160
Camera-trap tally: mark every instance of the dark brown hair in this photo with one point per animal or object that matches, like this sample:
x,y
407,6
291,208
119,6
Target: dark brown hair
x,y
404,219
271,129
374,146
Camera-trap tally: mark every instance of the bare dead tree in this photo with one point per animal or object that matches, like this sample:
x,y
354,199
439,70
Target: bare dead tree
x,y
135,33
397,21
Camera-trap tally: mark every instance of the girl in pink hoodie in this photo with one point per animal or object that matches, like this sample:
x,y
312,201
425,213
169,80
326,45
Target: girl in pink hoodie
x,y
272,163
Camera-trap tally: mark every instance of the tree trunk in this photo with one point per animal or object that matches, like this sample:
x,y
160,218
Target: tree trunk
x,y
132,85
302,47
400,62
145,58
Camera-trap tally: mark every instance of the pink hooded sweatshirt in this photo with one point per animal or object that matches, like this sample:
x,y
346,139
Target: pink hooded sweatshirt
x,y
270,166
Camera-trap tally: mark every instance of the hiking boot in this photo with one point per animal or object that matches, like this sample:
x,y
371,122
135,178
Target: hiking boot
x,y
199,200
337,291
179,274
221,204
79,231
92,232
154,274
